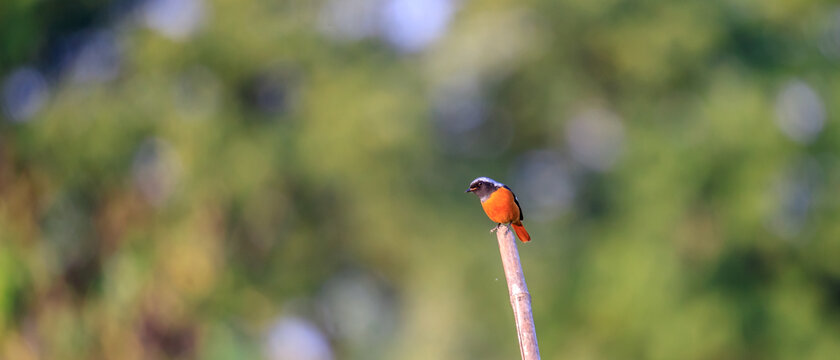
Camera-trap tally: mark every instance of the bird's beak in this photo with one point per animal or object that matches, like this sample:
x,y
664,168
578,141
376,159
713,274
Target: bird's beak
x,y
468,190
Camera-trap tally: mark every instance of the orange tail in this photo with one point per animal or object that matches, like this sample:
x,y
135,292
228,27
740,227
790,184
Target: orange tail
x,y
521,233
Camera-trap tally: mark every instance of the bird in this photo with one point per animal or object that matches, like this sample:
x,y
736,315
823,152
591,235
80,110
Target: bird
x,y
500,205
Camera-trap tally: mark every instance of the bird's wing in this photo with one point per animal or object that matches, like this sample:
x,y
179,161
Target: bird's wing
x,y
521,216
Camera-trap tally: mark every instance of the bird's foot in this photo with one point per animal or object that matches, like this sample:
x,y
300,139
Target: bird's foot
x,y
495,228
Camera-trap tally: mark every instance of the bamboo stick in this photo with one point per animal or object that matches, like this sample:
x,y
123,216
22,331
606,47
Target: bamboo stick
x,y
520,299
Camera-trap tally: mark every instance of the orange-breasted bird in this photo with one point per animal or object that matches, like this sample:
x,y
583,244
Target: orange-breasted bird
x,y
500,205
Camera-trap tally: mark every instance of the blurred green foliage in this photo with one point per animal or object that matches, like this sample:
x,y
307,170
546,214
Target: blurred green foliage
x,y
261,169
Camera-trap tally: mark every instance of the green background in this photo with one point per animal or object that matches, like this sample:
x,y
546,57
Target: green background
x,y
269,175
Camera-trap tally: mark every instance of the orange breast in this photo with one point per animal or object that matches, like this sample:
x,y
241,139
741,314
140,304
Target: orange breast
x,y
500,206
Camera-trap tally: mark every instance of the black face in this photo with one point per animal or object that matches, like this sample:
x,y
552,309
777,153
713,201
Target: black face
x,y
482,188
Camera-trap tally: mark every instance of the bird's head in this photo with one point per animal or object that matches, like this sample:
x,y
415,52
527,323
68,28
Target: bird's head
x,y
483,187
